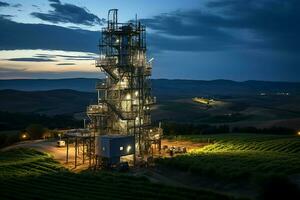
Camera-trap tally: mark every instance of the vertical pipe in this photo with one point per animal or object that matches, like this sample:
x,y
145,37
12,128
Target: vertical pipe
x,y
83,141
67,157
76,146
90,152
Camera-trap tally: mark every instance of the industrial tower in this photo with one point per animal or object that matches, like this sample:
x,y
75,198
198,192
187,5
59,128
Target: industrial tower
x,y
124,96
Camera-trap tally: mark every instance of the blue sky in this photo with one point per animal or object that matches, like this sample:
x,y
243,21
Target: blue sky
x,y
191,39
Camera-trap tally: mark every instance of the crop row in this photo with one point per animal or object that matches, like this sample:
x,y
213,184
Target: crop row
x,y
240,156
42,178
251,142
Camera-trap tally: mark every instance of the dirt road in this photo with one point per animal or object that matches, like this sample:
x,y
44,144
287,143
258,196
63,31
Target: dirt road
x,y
49,146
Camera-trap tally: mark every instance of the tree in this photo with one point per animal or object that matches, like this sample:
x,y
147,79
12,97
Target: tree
x,y
36,131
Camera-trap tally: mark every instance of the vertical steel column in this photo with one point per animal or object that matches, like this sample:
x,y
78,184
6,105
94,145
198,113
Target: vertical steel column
x,y
90,151
67,157
83,141
76,146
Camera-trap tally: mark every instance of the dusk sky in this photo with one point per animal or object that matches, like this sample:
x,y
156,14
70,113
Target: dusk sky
x,y
188,39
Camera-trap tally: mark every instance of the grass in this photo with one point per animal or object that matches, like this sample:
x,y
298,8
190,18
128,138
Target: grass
x,y
20,163
28,174
240,156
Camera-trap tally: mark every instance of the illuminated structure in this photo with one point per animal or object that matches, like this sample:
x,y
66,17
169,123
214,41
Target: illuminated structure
x,y
124,96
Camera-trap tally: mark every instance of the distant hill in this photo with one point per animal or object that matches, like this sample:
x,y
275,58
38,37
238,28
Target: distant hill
x,y
51,102
79,84
242,103
161,87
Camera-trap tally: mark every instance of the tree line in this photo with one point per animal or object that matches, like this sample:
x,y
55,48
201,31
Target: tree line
x,y
19,121
173,128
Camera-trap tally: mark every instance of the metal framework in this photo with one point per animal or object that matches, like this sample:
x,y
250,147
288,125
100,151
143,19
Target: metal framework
x,y
84,146
124,96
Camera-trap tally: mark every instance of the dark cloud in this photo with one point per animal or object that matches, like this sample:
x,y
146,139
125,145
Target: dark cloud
x,y
41,55
271,24
65,64
54,1
31,59
68,13
7,70
15,35
66,57
224,3
17,5
6,17
37,7
4,4
76,57
25,73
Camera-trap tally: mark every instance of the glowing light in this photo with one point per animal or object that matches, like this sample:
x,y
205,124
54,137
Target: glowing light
x,y
136,93
298,133
128,148
121,148
128,96
24,136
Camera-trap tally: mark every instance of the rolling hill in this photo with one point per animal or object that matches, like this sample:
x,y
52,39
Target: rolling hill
x,y
161,87
249,103
50,102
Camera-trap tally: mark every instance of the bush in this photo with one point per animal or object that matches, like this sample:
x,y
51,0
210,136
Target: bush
x,y
173,129
19,121
36,131
193,129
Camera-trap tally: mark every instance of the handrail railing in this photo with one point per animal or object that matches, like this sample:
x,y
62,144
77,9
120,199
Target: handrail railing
x,y
97,109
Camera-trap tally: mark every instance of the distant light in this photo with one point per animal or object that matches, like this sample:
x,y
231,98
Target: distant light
x,y
298,133
121,148
128,148
136,93
128,96
24,136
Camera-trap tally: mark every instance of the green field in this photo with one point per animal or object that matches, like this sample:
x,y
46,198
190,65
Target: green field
x,y
28,174
240,156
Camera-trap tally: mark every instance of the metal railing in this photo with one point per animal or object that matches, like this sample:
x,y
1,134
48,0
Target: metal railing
x,y
101,85
150,101
106,62
97,109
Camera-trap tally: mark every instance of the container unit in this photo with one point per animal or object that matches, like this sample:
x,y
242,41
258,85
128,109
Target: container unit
x,y
113,147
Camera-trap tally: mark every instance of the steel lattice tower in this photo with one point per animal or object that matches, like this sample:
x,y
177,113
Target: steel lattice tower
x,y
124,96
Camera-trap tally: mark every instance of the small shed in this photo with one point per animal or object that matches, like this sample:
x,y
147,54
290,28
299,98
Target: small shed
x,y
115,146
